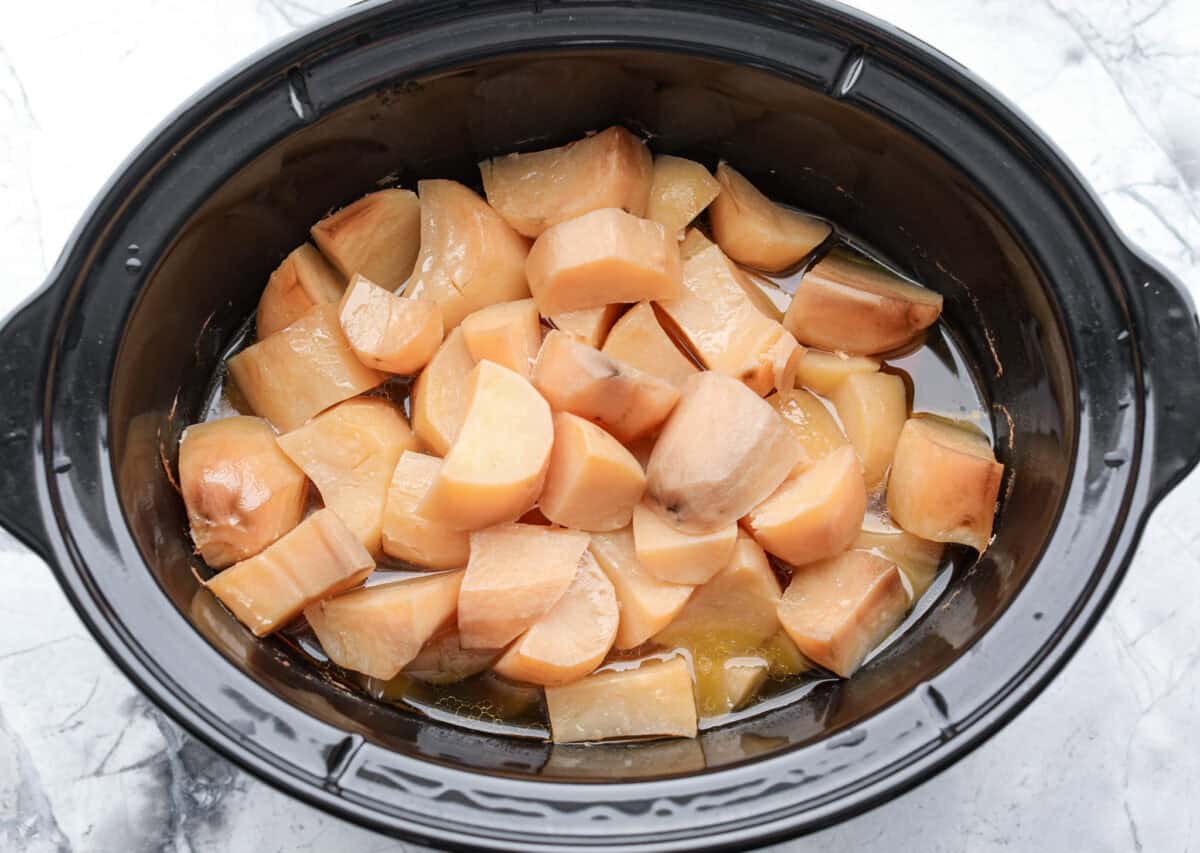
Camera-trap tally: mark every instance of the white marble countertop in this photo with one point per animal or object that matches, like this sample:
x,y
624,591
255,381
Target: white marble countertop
x,y
1104,760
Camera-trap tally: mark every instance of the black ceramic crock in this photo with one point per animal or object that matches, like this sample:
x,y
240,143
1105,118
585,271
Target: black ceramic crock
x,y
1088,354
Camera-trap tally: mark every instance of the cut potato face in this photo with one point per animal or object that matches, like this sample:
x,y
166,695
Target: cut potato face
x,y
740,679
944,484
406,534
647,604
439,396
851,304
602,257
377,236
469,256
823,372
755,231
495,468
873,408
508,333
302,370
241,492
318,558
590,325
538,190
443,660
389,332
721,453
517,572
593,482
303,280
838,610
680,191
640,341
654,699
581,380
683,558
694,242
919,559
811,423
379,630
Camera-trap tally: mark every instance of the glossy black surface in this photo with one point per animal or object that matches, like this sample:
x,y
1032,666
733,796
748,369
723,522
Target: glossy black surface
x,y
1089,354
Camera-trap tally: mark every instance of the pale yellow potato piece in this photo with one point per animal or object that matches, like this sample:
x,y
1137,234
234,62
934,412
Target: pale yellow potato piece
x,y
721,453
469,257
535,191
302,280
318,558
408,535
302,370
590,325
654,699
741,679
579,379
443,660
517,572
872,408
851,304
241,492
783,656
823,372
919,559
672,555
680,191
377,631
694,241
593,482
838,610
602,257
573,637
755,231
639,340
816,513
495,468
508,333
439,396
647,604
389,332
377,236
349,452
811,423
944,484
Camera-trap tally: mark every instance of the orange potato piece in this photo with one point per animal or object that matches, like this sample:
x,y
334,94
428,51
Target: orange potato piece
x,y
839,609
678,557
639,340
469,257
593,482
408,535
755,231
386,331
241,492
443,660
572,638
303,280
654,699
721,453
517,572
873,408
602,257
379,630
647,604
590,325
816,513
680,191
811,423
823,372
581,380
538,190
300,371
849,303
318,558
508,333
944,484
377,236
919,559
439,396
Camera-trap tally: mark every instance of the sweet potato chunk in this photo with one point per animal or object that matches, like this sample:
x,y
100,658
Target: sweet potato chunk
x,y
838,610
495,468
590,325
680,191
581,380
443,660
302,370
602,257
517,572
823,372
303,280
694,242
508,333
572,638
386,331
678,557
741,678
647,604
811,423
755,231
919,559
654,699
873,408
848,303
639,340
593,482
410,536
318,558
379,630
241,492
944,483
538,190
377,236
439,396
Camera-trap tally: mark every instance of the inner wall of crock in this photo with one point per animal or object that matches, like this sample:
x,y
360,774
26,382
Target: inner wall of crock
x,y
801,146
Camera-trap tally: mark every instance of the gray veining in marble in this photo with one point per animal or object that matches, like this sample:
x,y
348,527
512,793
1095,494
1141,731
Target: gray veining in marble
x,y
1104,760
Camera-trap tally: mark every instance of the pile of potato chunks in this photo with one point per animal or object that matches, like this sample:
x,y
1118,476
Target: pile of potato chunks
x,y
612,426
